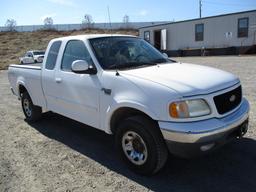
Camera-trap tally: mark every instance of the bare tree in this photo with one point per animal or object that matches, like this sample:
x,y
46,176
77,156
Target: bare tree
x,y
10,24
87,21
48,23
126,20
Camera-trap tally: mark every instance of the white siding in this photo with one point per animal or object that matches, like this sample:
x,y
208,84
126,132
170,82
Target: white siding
x,y
181,35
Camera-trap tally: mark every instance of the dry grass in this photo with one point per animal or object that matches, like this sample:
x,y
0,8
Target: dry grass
x,y
14,44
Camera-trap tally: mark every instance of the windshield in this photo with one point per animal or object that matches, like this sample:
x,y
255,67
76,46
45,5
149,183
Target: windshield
x,y
125,52
38,52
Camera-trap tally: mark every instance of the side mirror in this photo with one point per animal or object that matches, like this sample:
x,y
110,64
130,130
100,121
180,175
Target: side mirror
x,y
79,66
82,67
165,56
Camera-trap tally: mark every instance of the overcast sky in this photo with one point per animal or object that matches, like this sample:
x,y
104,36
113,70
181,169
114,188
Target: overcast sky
x,y
31,12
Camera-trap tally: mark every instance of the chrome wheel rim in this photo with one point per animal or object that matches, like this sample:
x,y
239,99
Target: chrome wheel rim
x,y
134,148
27,108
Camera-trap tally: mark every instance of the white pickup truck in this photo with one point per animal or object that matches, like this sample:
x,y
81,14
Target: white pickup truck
x,y
124,86
32,57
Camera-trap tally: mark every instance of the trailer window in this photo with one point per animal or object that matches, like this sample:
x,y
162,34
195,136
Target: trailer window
x,y
199,32
52,55
243,25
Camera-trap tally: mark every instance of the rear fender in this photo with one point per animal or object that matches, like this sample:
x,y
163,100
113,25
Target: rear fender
x,y
20,83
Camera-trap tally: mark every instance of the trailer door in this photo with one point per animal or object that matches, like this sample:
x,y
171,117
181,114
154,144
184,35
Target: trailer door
x,y
163,39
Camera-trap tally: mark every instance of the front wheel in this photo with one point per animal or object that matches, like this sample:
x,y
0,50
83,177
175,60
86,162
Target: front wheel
x,y
31,112
141,145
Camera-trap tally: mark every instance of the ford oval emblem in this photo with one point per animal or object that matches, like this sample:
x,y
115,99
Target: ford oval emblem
x,y
232,98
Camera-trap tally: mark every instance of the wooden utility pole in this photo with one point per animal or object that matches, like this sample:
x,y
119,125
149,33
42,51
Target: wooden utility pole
x,y
200,8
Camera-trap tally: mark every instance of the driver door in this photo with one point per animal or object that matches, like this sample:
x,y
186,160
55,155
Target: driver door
x,y
78,94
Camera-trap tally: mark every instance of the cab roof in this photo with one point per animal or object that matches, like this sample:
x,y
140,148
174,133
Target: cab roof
x,y
92,36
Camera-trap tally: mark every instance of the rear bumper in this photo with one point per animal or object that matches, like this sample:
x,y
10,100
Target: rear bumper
x,y
183,139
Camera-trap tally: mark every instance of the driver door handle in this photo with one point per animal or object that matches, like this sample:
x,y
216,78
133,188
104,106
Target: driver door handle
x,y
58,80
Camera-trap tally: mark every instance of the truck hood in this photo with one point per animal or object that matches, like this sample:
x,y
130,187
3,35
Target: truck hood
x,y
186,79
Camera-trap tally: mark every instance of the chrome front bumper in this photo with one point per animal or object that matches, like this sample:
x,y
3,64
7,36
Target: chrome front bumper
x,y
203,131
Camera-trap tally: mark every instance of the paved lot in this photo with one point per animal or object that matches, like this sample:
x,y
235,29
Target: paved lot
x,y
58,154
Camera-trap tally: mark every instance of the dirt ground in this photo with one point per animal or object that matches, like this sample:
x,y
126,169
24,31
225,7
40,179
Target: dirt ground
x,y
58,154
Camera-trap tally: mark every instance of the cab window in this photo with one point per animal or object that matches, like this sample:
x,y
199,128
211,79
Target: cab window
x,y
28,54
75,50
52,55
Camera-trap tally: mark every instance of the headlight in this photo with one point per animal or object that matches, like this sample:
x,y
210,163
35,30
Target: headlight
x,y
189,109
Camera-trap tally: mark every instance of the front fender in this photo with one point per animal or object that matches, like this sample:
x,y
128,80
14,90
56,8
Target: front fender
x,y
129,104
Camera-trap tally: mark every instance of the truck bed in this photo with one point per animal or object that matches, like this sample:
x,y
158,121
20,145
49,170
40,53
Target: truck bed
x,y
28,76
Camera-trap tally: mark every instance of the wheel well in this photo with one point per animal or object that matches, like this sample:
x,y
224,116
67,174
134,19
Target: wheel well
x,y
123,113
22,89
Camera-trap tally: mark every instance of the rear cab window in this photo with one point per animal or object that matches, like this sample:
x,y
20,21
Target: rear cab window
x,y
52,55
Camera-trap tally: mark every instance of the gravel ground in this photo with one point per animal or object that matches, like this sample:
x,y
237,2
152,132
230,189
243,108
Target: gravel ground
x,y
58,154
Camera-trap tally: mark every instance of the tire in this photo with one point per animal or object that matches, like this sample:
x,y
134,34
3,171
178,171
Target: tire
x,y
148,153
31,112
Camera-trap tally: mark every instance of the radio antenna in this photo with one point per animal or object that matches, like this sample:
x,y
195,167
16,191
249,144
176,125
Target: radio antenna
x,y
111,33
109,19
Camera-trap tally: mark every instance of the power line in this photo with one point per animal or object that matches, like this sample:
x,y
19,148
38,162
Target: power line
x,y
227,4
211,3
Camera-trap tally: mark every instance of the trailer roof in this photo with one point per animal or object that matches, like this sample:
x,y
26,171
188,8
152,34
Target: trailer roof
x,y
198,19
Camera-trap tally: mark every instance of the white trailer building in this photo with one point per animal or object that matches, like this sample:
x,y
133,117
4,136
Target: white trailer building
x,y
233,33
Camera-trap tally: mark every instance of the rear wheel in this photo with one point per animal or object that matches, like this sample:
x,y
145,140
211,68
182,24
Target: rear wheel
x,y
141,145
31,112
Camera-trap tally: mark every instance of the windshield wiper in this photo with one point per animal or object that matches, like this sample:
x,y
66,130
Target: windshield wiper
x,y
131,65
159,61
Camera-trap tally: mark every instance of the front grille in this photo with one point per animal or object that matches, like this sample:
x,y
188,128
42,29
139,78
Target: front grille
x,y
228,101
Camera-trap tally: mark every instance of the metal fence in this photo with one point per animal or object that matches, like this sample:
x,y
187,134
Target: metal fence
x,y
70,27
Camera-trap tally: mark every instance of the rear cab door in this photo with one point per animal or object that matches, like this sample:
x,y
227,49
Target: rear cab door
x,y
48,75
